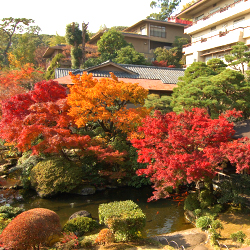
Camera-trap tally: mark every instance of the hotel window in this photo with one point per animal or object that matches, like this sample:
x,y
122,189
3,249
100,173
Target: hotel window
x,y
157,31
214,10
199,17
143,30
239,22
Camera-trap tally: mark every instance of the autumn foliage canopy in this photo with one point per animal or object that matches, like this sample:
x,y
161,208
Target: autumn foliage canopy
x,y
186,147
105,101
39,120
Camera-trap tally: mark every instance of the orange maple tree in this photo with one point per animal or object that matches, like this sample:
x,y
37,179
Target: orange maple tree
x,y
14,82
105,101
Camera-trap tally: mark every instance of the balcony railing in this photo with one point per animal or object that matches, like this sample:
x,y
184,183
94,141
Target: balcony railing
x,y
220,14
221,39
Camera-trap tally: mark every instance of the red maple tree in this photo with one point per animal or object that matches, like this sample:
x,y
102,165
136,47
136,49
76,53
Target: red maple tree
x,y
186,147
39,120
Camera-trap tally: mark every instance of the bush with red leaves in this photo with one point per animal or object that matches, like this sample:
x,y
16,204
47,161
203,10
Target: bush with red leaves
x,y
30,229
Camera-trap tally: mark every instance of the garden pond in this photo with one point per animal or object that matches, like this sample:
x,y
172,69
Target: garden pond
x,y
163,216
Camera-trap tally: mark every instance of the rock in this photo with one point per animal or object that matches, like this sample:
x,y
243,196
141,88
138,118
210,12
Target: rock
x,y
86,190
82,213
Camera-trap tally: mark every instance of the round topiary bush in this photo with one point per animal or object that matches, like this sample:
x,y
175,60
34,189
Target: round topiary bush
x,y
30,229
55,175
80,225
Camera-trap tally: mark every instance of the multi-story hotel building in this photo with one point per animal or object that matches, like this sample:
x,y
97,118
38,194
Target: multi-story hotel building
x,y
217,25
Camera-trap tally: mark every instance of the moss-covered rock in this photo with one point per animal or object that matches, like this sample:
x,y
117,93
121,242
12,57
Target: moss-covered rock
x,y
55,175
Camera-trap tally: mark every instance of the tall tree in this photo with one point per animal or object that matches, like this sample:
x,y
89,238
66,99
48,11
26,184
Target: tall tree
x,y
110,43
239,57
8,28
129,55
167,8
74,37
186,148
212,87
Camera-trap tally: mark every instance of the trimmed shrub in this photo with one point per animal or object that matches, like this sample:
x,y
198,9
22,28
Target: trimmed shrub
x,y
30,229
105,236
55,175
124,218
191,202
203,222
80,225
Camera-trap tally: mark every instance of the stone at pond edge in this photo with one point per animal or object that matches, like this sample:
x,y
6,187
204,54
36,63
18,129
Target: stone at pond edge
x,y
82,213
88,190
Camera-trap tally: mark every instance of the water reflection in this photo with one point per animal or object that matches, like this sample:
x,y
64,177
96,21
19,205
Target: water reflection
x,y
163,216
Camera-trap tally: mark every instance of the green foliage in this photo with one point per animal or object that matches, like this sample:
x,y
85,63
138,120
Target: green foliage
x,y
110,43
55,175
80,225
191,202
92,62
161,103
8,212
212,87
130,164
4,223
217,208
203,222
8,28
76,55
87,241
167,8
213,236
57,39
128,55
238,57
233,190
238,237
73,34
216,224
55,63
26,165
173,56
124,218
216,65
206,198
168,55
198,212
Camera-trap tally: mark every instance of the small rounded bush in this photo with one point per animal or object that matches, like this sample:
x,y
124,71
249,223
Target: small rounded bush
x,y
203,222
55,175
30,228
80,225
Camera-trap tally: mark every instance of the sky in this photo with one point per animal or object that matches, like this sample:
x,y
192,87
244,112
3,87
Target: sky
x,y
52,16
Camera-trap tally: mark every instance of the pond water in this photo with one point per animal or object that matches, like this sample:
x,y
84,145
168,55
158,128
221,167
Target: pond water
x,y
163,216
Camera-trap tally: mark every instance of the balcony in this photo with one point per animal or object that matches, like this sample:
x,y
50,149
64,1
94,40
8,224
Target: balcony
x,y
224,14
221,39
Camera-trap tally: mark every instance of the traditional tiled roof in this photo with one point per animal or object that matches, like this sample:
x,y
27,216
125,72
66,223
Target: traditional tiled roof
x,y
166,75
